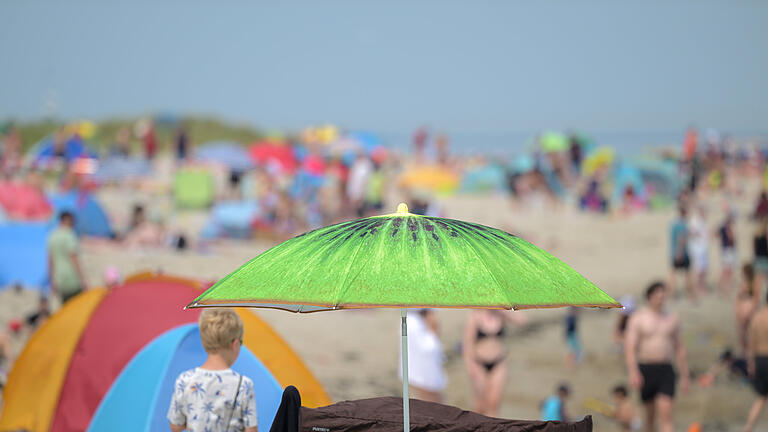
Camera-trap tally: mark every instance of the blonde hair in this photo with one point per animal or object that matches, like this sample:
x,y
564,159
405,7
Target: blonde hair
x,y
219,327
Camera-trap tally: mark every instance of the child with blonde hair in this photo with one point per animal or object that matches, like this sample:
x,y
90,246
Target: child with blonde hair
x,y
213,397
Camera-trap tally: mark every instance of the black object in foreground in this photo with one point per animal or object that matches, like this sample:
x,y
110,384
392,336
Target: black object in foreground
x,y
386,414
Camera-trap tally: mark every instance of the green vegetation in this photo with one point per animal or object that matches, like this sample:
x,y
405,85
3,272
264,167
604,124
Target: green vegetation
x,y
200,129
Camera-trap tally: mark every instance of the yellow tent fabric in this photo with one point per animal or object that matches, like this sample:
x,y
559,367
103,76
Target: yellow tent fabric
x,y
276,355
50,349
279,359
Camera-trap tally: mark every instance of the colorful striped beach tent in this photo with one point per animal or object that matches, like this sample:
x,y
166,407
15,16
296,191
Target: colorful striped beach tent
x,y
139,398
70,363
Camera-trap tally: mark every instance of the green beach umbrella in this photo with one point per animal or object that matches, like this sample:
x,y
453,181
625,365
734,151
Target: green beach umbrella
x,y
403,260
554,142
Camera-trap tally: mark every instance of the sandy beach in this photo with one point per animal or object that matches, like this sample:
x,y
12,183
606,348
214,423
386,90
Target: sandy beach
x,y
354,353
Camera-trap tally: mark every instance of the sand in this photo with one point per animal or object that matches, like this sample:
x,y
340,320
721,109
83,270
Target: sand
x,y
354,353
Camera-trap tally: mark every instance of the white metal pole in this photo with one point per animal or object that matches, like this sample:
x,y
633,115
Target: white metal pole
x,y
404,350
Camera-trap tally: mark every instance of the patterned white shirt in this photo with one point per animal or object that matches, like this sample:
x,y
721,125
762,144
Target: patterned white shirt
x,y
203,401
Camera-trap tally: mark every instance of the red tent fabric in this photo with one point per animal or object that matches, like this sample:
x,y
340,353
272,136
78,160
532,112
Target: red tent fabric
x,y
24,202
264,152
134,313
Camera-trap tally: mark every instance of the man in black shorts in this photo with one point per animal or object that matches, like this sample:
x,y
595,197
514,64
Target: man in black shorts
x,y
652,346
757,363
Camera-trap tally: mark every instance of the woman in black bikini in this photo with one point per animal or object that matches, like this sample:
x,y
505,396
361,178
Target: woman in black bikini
x,y
484,355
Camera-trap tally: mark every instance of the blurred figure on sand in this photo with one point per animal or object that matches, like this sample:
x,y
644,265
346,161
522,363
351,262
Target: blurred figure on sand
x,y
698,246
653,345
485,354
622,411
757,364
575,352
745,306
37,318
729,257
64,268
681,260
213,397
426,376
553,408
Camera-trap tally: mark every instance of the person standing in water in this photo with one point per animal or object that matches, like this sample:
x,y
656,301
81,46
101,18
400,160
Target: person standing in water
x,y
652,346
485,355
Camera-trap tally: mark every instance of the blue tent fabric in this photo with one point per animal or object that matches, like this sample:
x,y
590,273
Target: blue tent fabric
x,y
119,168
73,149
627,175
24,255
230,154
90,217
140,396
488,178
231,219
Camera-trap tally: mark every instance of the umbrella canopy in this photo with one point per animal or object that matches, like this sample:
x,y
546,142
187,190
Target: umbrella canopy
x,y
23,201
404,260
430,177
226,153
553,142
277,152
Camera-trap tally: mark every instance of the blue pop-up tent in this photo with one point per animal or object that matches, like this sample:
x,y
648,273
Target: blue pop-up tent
x,y
74,148
24,255
90,217
141,395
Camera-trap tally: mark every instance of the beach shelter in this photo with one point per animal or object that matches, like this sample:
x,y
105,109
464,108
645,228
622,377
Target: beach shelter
x,y
72,360
403,260
485,178
115,169
430,177
227,153
22,201
90,217
74,148
274,152
231,219
193,188
24,255
140,396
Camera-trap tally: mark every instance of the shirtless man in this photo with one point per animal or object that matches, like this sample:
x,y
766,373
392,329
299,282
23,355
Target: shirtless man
x,y
757,363
652,344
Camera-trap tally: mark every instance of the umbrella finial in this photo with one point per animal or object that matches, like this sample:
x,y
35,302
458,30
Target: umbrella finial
x,y
402,208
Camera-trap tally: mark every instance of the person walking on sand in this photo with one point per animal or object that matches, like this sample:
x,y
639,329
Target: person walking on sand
x,y
652,346
213,397
757,363
426,375
485,356
681,260
64,268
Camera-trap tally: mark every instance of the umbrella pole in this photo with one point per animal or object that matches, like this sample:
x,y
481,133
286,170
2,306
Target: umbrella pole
x,y
404,350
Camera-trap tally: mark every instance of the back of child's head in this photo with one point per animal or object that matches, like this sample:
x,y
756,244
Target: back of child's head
x,y
219,327
563,390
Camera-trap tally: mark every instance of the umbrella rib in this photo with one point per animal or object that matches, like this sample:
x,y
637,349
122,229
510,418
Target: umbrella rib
x,y
485,266
346,275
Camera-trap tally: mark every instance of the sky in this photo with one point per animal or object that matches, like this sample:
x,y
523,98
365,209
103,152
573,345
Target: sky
x,y
474,66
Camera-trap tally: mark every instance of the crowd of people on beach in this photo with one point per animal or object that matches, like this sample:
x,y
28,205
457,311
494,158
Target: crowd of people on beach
x,y
328,176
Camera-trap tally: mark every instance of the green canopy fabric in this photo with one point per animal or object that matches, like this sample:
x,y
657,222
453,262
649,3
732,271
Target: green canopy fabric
x,y
404,260
553,142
